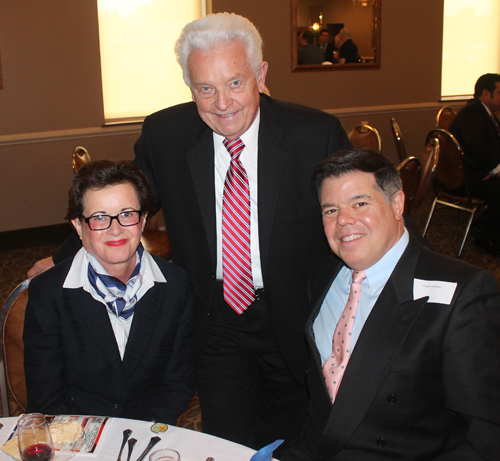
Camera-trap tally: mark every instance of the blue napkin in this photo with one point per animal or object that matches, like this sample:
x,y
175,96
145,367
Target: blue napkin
x,y
266,453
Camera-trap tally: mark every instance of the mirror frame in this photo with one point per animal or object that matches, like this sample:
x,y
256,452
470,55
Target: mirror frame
x,y
328,68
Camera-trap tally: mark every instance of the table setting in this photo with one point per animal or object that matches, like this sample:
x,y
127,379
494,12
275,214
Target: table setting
x,y
119,439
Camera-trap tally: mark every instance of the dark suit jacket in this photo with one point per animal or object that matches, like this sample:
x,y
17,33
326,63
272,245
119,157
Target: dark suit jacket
x,y
176,153
349,51
72,361
309,54
423,379
476,134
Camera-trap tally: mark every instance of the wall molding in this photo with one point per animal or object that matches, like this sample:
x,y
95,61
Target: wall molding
x,y
64,135
135,128
394,108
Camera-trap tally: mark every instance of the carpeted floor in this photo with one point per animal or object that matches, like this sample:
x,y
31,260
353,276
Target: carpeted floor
x,y
445,234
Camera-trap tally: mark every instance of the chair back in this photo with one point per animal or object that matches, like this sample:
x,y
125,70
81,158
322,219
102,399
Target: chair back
x,y
428,159
445,117
398,139
12,381
365,136
450,168
80,158
410,172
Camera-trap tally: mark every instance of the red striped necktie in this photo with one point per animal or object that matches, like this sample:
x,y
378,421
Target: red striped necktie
x,y
236,258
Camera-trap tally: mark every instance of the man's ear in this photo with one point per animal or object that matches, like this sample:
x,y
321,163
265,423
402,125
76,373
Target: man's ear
x,y
398,204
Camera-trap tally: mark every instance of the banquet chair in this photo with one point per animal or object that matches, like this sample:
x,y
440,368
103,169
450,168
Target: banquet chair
x,y
451,183
398,139
365,136
445,117
154,237
410,172
12,382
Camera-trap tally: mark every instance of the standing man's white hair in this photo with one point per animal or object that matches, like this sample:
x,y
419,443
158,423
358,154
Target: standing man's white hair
x,y
218,29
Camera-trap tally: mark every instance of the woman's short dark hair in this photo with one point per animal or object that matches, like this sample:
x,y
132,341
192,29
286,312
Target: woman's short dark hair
x,y
364,160
102,173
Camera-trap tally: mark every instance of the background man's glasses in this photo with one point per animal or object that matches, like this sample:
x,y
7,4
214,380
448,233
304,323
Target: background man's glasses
x,y
103,221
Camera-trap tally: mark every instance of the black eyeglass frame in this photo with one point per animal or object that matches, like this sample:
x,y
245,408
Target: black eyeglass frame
x,y
117,217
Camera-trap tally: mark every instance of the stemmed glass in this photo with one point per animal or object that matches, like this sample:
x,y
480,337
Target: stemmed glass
x,y
35,442
165,454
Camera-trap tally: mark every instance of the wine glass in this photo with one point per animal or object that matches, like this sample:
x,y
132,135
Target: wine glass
x,y
165,454
35,442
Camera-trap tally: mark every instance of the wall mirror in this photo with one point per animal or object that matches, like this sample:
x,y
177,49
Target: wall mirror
x,y
360,17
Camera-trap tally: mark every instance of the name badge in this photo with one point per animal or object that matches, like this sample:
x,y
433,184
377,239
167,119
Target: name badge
x,y
438,291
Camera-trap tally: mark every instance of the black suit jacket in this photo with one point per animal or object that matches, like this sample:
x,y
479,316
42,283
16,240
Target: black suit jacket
x,y
423,379
476,134
72,361
176,153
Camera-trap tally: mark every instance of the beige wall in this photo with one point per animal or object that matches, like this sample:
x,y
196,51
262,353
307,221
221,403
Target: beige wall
x,y
52,102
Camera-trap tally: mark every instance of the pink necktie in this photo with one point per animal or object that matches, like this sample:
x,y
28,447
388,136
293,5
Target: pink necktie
x,y
334,367
236,261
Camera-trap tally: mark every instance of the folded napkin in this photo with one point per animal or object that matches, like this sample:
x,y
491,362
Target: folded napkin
x,y
266,453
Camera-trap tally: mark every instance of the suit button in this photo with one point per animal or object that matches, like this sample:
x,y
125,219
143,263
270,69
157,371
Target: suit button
x,y
381,443
392,399
115,407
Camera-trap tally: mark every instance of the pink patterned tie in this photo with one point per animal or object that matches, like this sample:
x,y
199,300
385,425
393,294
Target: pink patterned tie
x,y
236,261
334,367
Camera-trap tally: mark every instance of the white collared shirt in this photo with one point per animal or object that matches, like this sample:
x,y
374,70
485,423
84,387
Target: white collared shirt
x,y
336,298
77,278
249,159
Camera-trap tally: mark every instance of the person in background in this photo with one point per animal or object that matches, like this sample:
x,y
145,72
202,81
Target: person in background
x,y
477,129
308,53
110,331
404,342
325,46
348,52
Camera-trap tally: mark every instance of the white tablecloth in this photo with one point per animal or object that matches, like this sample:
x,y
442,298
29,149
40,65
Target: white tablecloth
x,y
192,446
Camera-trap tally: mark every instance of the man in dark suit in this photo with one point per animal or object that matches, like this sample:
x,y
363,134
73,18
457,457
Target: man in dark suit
x,y
412,368
251,357
477,129
308,53
251,366
326,46
348,53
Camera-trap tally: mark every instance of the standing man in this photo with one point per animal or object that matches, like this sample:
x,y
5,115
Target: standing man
x,y
231,171
477,129
348,53
326,47
404,342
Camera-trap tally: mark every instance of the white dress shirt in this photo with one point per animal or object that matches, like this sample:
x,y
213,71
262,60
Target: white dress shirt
x,y
77,278
336,298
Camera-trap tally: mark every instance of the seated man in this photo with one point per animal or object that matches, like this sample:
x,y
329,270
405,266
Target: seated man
x,y
308,53
410,367
110,331
477,129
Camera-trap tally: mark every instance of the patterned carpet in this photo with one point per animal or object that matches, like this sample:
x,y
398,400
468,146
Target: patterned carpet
x,y
445,234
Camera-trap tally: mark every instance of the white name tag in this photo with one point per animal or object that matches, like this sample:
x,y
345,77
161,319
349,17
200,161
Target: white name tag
x,y
438,292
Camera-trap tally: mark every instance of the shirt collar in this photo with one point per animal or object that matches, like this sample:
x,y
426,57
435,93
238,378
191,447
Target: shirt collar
x,y
249,137
379,273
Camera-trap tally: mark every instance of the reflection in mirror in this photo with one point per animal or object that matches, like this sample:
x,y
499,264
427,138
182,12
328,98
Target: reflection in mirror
x,y
347,32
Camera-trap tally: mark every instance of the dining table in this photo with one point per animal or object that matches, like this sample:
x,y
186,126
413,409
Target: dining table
x,y
191,445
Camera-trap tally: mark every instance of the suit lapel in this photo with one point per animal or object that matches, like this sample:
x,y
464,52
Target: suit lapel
x,y
96,318
145,318
382,336
271,164
200,159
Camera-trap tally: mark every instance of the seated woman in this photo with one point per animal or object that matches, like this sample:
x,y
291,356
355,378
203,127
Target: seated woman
x,y
110,332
